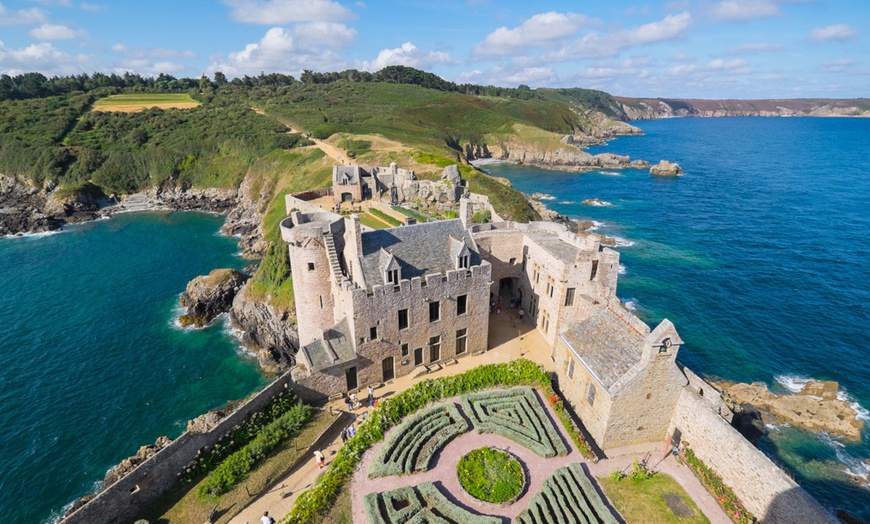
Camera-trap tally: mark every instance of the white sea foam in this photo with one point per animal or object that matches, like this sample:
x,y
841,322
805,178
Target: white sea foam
x,y
547,197
35,235
793,383
862,412
597,203
622,242
630,304
853,466
777,427
566,202
610,173
622,269
597,225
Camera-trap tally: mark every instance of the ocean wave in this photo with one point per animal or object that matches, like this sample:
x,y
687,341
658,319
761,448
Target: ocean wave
x,y
630,304
622,242
610,173
566,202
595,202
597,224
793,383
622,269
853,466
777,427
41,234
862,412
546,197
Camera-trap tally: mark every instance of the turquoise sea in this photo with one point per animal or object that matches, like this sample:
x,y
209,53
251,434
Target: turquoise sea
x,y
91,364
760,255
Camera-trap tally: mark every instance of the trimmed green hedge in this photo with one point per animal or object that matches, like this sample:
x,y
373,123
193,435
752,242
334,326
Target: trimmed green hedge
x,y
569,491
413,444
515,414
411,213
316,501
240,463
435,499
423,504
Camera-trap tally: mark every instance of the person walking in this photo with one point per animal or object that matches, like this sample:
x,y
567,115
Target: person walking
x,y
371,391
318,459
351,431
343,435
348,402
266,519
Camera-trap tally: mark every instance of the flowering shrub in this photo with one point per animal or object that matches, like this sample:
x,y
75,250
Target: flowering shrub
x,y
724,495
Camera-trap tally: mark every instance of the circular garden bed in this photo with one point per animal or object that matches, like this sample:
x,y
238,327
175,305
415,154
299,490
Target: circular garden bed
x,y
491,475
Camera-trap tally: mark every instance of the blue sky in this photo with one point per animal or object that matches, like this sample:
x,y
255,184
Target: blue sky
x,y
676,48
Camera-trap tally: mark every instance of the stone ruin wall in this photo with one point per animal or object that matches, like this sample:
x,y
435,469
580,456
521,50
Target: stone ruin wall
x,y
765,489
124,500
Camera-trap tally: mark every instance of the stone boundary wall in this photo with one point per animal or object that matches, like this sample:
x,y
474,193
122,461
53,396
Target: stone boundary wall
x,y
124,500
298,203
766,490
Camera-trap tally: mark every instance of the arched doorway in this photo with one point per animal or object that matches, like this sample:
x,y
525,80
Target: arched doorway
x,y
347,197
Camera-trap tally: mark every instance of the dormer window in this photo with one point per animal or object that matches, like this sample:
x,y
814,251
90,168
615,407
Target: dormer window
x,y
462,262
393,276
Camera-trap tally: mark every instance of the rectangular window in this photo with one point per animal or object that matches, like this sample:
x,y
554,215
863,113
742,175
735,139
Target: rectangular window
x,y
571,368
311,266
434,349
461,304
403,319
373,332
590,397
546,323
537,276
404,350
594,270
524,263
461,337
393,276
513,261
463,262
434,311
569,297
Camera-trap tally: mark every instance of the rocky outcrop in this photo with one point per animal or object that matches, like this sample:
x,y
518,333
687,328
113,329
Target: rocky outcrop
x,y
129,464
210,295
208,421
596,202
245,220
816,408
574,226
27,208
649,109
269,333
748,421
665,168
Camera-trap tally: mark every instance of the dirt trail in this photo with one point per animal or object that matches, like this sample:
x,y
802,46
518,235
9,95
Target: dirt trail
x,y
336,153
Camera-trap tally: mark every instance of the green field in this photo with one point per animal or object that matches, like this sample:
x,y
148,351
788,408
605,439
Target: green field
x,y
143,100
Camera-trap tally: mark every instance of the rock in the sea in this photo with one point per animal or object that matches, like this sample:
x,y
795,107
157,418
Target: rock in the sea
x,y
205,422
270,333
665,168
597,202
823,412
639,164
129,464
208,296
747,420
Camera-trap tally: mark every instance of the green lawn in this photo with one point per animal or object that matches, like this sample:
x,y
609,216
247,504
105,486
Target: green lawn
x,y
371,221
644,500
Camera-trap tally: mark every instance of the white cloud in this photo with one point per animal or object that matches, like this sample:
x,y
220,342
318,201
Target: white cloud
x,y
42,57
743,10
837,66
539,30
55,32
719,64
146,67
278,12
833,32
593,45
86,6
53,3
510,76
327,34
755,48
408,55
145,52
21,16
281,51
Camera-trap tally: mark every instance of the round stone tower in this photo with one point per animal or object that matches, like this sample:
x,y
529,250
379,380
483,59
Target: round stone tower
x,y
312,252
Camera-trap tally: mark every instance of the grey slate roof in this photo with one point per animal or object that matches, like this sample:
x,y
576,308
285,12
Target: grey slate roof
x,y
607,346
419,249
335,348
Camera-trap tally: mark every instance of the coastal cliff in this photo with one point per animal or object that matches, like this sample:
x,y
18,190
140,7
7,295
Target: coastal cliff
x,y
655,108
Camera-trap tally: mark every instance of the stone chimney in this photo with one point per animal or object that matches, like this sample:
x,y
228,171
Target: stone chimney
x,y
466,210
355,236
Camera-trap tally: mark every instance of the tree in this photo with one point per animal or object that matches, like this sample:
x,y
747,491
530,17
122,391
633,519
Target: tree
x,y
219,78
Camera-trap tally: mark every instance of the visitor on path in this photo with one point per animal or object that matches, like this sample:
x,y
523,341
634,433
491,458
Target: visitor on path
x,y
371,391
351,431
348,402
318,459
522,313
266,519
343,435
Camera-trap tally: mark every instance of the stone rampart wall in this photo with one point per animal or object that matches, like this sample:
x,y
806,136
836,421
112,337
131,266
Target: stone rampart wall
x,y
124,500
766,490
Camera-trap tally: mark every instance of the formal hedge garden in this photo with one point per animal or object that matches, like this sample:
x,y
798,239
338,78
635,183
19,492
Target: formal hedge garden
x,y
518,415
315,502
491,475
423,504
567,496
412,445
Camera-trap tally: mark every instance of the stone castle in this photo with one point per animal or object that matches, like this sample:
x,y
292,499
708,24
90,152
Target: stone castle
x,y
373,305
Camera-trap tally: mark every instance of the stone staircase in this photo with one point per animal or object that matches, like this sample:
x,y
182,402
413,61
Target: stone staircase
x,y
333,258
